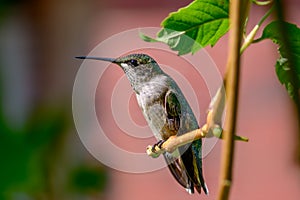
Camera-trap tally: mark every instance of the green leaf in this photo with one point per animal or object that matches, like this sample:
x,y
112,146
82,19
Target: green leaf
x,y
288,63
201,23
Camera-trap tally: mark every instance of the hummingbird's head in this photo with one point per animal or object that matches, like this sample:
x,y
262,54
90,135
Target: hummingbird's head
x,y
139,68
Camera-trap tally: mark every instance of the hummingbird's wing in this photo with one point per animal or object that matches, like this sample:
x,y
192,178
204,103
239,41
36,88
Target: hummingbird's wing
x,y
173,110
190,161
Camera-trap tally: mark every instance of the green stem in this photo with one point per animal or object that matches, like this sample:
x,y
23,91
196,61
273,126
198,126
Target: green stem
x,y
250,37
262,3
266,15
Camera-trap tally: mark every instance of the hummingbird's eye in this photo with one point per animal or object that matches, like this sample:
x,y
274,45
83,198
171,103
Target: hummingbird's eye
x,y
134,62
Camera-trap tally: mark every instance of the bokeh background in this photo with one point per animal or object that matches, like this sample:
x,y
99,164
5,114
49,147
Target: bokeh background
x,y
41,154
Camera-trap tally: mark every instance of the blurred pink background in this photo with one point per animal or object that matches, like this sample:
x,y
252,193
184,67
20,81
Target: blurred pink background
x,y
264,168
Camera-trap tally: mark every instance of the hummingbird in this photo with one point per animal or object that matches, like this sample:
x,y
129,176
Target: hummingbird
x,y
167,113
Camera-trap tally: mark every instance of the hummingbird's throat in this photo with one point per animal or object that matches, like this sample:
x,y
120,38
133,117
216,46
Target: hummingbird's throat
x,y
124,66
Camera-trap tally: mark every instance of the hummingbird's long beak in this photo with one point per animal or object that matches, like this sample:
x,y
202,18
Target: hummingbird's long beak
x,y
96,58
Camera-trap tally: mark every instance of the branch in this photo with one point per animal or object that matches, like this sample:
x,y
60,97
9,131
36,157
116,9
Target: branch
x,y
236,16
174,142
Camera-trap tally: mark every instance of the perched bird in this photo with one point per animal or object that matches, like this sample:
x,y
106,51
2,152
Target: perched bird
x,y
168,114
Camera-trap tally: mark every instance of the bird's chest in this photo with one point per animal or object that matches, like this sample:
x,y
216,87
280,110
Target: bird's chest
x,y
152,106
149,95
151,101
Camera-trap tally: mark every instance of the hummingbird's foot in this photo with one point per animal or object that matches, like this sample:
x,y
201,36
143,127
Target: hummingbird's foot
x,y
160,143
155,150
157,146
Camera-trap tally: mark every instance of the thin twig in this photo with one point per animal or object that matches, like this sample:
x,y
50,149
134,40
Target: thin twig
x,y
250,37
232,86
174,142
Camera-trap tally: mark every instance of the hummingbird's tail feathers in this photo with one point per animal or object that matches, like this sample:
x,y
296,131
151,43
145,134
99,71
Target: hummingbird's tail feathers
x,y
205,189
179,173
192,162
189,190
198,167
201,179
202,185
190,187
198,176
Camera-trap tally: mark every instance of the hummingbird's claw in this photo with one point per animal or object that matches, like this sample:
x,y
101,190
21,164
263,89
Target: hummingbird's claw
x,y
155,150
157,145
